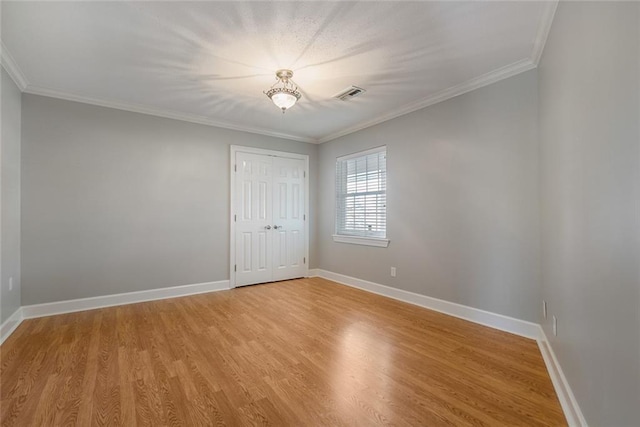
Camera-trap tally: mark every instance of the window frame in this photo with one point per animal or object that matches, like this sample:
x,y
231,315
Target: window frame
x,y
356,239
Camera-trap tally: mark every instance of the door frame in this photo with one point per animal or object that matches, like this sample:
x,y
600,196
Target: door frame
x,y
232,224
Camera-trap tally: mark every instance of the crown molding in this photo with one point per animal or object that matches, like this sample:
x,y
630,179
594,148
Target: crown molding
x,y
494,76
544,27
468,86
9,64
443,95
35,90
543,30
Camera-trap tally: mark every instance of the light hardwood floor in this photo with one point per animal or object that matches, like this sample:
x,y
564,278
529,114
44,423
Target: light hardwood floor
x,y
301,353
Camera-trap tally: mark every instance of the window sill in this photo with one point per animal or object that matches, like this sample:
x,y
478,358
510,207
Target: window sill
x,y
357,240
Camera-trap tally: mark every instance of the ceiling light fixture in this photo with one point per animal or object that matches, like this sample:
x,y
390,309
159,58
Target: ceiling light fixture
x,y
284,92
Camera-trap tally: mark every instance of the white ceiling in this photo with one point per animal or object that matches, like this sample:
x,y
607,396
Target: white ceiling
x,y
209,62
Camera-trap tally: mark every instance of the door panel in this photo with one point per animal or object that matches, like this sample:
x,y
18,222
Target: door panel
x,y
288,205
253,207
294,244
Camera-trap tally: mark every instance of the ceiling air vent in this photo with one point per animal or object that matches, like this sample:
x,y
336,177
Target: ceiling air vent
x,y
348,93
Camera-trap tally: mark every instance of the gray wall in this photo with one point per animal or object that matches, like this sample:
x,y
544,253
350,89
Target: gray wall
x,y
463,212
590,183
10,183
114,201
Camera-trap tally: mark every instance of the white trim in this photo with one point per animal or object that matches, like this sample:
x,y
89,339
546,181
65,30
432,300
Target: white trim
x,y
362,153
9,64
543,30
252,150
567,399
443,95
11,324
360,240
314,272
82,304
232,185
192,118
486,318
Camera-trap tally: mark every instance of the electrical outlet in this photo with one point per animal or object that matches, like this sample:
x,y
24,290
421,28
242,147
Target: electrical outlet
x,y
10,283
393,272
544,308
555,326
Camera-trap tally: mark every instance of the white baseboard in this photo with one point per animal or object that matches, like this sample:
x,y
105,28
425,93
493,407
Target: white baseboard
x,y
70,306
314,272
10,325
493,320
567,400
497,321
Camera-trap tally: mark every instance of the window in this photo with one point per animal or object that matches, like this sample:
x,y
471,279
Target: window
x,y
361,198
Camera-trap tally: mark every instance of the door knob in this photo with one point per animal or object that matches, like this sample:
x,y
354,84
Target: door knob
x,y
275,227
268,227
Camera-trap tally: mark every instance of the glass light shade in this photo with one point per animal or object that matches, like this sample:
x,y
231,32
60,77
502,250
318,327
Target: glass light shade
x,y
283,100
284,93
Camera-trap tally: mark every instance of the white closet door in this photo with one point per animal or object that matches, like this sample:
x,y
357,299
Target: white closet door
x,y
269,214
288,218
253,234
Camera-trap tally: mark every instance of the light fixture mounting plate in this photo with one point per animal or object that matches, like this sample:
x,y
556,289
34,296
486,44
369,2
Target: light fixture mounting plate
x,y
284,74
